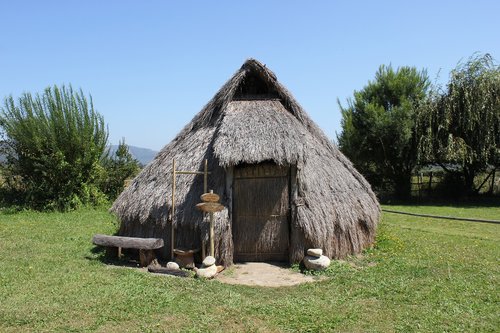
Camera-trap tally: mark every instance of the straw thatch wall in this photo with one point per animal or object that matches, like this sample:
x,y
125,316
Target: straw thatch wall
x,y
253,119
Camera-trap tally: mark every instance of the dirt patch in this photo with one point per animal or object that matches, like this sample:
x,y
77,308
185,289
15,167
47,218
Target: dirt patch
x,y
263,274
249,274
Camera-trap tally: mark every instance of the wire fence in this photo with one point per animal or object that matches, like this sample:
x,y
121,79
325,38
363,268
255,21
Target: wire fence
x,y
434,183
442,217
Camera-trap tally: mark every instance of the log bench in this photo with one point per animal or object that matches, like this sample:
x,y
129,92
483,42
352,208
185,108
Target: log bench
x,y
146,246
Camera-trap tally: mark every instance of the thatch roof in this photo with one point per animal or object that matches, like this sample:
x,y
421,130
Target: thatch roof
x,y
248,127
336,209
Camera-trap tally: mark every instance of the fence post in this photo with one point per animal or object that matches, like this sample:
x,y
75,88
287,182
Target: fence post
x,y
430,183
493,181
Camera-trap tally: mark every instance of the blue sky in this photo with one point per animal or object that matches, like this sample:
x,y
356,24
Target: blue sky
x,y
150,66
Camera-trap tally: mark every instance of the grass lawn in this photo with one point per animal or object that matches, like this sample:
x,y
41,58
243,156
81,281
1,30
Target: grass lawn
x,y
423,275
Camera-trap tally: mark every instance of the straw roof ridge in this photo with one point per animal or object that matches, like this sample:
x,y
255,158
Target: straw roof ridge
x,y
213,111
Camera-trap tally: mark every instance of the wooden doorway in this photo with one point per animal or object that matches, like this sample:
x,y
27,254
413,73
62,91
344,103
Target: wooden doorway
x,y
261,216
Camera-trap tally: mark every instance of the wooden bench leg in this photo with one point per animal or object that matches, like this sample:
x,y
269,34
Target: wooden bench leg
x,y
146,257
114,252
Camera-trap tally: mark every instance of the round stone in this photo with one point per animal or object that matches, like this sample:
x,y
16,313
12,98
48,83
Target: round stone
x,y
209,261
315,263
315,252
172,265
207,273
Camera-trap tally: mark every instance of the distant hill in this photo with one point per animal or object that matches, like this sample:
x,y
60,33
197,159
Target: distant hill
x,y
143,155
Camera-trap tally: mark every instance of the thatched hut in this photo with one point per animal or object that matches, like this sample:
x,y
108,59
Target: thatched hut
x,y
285,186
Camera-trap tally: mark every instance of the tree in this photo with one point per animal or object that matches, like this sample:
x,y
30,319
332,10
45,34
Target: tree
x,y
378,127
118,169
461,123
53,144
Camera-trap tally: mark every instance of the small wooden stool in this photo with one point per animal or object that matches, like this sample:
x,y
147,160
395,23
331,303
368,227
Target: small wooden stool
x,y
185,258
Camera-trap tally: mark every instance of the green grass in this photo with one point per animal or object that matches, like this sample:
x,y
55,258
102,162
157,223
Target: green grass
x,y
423,275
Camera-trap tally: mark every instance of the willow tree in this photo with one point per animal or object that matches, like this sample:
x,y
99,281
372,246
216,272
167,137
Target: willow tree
x,y
461,123
378,127
53,144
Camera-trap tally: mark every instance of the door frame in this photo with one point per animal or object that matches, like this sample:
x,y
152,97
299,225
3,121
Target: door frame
x,y
292,194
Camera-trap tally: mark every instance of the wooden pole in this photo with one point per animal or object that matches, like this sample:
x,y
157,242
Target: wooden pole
x,y
180,172
212,250
205,190
430,183
172,238
493,181
205,174
205,177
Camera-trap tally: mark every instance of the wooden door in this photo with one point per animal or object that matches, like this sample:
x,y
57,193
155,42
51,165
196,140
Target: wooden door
x,y
261,212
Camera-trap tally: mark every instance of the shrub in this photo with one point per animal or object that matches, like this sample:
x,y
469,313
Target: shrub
x,y
53,144
117,169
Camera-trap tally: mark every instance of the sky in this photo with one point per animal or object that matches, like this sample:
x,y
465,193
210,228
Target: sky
x,y
150,66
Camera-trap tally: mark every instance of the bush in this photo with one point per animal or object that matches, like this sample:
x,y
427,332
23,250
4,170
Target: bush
x,y
53,146
117,169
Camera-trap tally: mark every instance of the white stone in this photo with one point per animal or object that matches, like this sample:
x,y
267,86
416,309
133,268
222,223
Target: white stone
x,y
315,263
172,265
315,252
209,261
207,273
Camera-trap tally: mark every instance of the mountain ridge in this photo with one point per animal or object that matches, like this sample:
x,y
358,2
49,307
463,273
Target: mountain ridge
x,y
143,155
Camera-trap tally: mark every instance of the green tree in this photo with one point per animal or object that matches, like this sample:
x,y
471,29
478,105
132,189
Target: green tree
x,y
53,144
378,127
461,123
118,169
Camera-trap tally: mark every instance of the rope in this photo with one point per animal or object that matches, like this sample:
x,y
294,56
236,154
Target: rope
x,y
442,217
